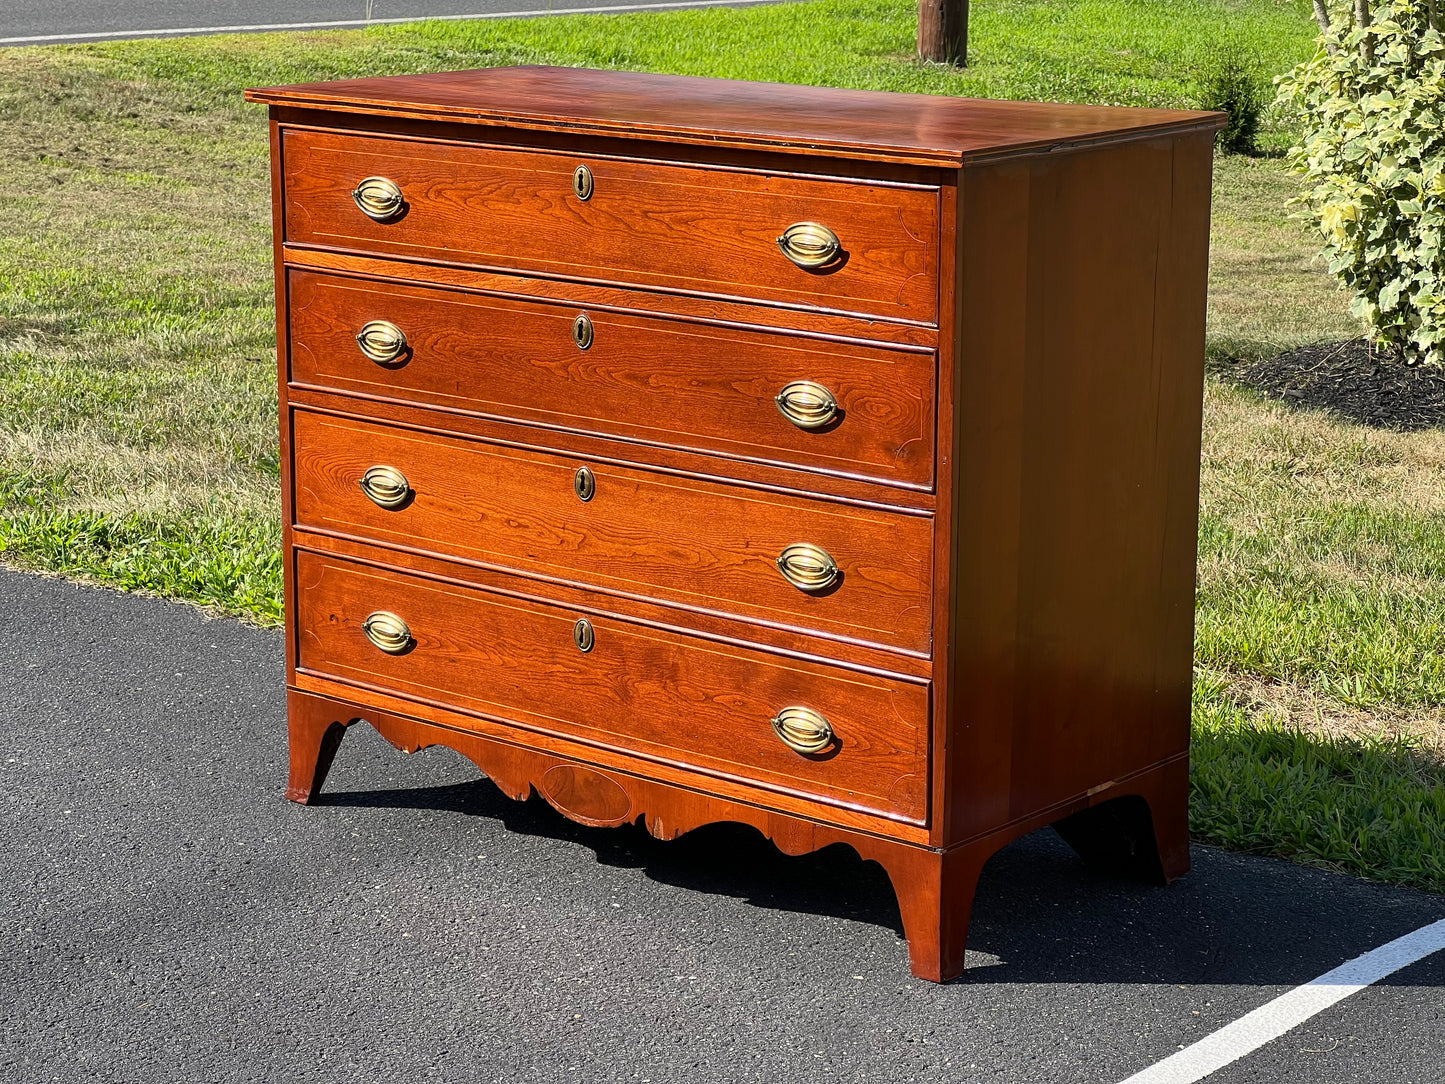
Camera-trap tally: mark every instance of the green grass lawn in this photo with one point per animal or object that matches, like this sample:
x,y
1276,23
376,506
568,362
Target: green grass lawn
x,y
137,383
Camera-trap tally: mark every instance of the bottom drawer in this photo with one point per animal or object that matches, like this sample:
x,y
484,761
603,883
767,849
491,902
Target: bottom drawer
x,y
688,701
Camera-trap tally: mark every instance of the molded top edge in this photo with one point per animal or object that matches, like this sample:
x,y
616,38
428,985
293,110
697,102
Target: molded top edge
x,y
920,129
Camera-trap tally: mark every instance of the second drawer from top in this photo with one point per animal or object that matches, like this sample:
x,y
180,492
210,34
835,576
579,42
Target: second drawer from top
x,y
842,408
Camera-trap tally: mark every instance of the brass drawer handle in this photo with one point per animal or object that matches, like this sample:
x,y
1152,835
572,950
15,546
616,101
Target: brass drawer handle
x,y
803,730
379,198
807,404
388,632
808,567
810,245
382,341
386,486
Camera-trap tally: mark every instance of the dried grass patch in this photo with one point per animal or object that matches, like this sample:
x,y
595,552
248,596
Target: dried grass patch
x,y
1295,707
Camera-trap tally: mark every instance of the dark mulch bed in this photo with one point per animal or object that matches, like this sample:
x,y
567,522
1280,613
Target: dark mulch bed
x,y
1354,381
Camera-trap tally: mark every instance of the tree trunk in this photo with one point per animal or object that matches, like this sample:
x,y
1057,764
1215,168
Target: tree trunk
x,y
1322,16
943,31
1362,20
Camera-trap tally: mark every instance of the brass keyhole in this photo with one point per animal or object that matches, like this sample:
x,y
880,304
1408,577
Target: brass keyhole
x,y
583,636
582,183
582,331
584,483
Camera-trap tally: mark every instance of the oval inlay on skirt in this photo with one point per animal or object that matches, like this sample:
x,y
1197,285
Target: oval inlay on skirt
x,y
586,795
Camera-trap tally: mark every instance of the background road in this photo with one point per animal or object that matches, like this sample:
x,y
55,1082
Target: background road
x,y
165,915
37,21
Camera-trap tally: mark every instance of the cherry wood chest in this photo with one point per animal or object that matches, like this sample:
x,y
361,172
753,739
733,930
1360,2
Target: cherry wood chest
x,y
684,451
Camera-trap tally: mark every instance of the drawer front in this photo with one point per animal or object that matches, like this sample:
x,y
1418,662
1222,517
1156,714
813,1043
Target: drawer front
x,y
689,701
680,540
663,381
672,227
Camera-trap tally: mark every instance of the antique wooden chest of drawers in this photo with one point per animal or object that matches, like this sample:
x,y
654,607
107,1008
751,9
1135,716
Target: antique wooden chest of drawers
x,y
687,451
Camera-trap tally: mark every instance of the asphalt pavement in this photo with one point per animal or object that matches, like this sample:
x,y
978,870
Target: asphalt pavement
x,y
35,22
165,915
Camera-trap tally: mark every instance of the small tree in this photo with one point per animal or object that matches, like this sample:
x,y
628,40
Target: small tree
x,y
1372,103
1231,85
943,31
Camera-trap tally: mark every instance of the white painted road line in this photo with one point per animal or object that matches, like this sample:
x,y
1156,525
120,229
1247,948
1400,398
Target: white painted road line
x,y
182,31
1274,1018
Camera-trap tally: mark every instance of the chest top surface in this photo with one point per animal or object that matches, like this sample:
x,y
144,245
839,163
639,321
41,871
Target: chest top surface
x,y
922,129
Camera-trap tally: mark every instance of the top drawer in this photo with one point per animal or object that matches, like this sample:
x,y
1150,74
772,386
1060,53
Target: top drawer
x,y
677,227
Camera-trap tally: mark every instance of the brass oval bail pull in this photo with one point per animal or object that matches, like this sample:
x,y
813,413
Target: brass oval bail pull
x,y
388,632
378,198
386,487
807,404
808,567
810,245
382,341
803,730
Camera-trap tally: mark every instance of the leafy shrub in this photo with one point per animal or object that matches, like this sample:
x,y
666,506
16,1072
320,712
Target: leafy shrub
x,y
1231,86
1372,106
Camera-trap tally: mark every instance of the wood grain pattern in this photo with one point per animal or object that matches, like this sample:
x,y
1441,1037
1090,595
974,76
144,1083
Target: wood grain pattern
x,y
920,129
666,226
636,689
673,539
663,382
1083,357
586,795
